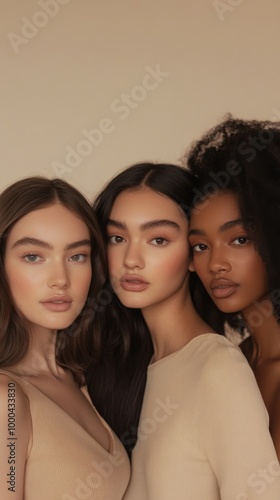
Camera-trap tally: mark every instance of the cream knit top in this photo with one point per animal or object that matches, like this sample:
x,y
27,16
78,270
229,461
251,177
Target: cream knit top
x,y
203,432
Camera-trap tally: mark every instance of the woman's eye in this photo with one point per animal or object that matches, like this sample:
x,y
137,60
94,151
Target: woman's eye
x,y
79,257
31,257
115,239
159,241
242,240
200,247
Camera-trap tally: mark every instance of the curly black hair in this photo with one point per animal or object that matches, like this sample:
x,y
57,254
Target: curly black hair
x,y
242,156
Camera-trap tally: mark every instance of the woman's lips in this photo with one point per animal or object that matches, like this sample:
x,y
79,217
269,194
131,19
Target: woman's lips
x,y
223,288
133,283
57,303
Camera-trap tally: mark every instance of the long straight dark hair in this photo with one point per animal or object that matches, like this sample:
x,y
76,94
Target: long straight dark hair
x,y
117,382
76,344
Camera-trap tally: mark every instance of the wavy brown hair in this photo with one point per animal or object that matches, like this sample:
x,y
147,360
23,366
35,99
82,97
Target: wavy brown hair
x,y
77,345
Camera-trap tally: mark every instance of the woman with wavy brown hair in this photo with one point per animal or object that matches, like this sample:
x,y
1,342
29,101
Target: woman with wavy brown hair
x,y
53,443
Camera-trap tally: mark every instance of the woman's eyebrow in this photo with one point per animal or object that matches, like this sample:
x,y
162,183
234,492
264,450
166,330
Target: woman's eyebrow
x,y
117,224
27,240
44,244
159,222
77,244
196,232
145,225
222,228
230,224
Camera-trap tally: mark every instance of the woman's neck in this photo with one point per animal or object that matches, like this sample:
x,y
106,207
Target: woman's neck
x,y
172,325
41,356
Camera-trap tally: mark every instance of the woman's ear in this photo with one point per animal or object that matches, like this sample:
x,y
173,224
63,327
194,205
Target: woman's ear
x,y
191,267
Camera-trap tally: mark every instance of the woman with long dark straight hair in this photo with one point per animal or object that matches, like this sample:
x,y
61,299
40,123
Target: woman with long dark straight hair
x,y
202,409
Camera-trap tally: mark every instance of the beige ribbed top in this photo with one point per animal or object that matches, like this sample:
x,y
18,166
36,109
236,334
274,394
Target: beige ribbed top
x,y
65,462
203,432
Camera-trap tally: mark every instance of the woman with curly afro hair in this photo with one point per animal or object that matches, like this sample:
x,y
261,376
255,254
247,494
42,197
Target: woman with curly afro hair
x,y
235,239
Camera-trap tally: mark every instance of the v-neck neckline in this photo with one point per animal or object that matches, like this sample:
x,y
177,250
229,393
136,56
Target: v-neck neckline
x,y
102,421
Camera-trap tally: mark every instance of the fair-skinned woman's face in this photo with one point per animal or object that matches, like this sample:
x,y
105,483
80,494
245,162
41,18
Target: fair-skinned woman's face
x,y
48,266
224,257
148,249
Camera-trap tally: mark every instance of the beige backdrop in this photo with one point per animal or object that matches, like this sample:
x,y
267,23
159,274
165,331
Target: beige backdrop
x,y
89,87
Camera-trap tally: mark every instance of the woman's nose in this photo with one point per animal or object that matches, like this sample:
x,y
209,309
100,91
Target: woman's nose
x,y
59,276
218,262
133,257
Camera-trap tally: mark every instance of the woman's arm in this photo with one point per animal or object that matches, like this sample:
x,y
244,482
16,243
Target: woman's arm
x,y
233,429
15,436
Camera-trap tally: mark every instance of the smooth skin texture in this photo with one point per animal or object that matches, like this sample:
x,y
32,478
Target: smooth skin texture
x,y
47,261
224,257
42,261
234,275
148,254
